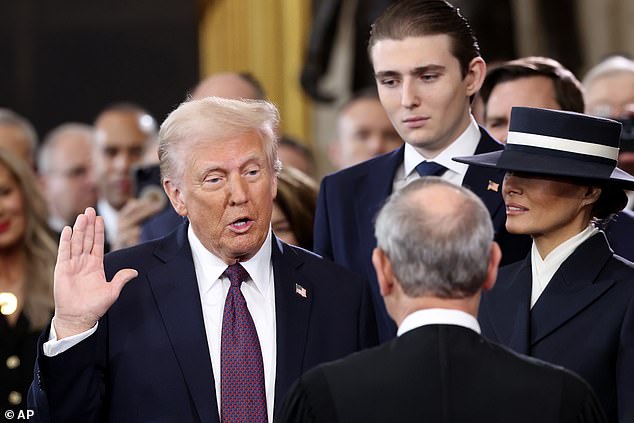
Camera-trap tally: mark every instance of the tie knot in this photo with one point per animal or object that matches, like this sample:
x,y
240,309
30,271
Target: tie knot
x,y
236,274
430,169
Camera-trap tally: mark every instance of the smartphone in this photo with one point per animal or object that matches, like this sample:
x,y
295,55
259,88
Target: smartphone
x,y
147,184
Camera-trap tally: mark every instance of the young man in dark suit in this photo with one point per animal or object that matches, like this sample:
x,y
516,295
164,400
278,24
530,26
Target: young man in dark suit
x,y
432,267
427,68
222,317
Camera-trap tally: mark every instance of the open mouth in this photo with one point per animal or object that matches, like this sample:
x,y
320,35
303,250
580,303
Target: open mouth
x,y
241,225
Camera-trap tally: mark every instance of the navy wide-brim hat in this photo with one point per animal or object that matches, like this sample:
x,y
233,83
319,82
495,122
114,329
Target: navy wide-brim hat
x,y
558,143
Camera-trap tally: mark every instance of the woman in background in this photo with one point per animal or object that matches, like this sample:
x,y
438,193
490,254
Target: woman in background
x,y
27,259
571,301
294,208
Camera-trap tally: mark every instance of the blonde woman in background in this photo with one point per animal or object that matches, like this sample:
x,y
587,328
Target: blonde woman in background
x,y
27,259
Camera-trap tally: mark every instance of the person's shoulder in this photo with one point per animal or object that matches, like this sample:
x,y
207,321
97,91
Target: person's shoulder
x,y
525,365
509,271
549,381
138,254
314,260
357,363
487,143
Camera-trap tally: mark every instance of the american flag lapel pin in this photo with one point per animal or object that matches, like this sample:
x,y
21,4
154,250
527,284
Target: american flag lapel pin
x,y
493,186
300,290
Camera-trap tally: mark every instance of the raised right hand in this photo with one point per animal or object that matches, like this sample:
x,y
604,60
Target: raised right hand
x,y
82,294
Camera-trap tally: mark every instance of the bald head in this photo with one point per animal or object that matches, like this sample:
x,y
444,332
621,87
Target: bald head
x,y
230,85
442,242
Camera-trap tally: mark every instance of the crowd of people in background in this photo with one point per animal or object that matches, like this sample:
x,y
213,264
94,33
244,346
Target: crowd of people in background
x,y
565,294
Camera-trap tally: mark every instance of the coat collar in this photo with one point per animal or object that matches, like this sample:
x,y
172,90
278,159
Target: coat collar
x,y
574,286
486,183
373,187
508,306
176,294
293,300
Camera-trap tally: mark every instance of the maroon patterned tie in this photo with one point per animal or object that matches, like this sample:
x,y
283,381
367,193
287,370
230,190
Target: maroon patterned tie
x,y
243,397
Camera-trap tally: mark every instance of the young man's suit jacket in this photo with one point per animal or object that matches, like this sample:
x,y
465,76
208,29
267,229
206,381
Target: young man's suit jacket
x,y
584,320
149,359
350,199
439,373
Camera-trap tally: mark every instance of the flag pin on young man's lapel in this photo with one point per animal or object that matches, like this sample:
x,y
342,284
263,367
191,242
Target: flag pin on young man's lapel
x,y
493,186
300,290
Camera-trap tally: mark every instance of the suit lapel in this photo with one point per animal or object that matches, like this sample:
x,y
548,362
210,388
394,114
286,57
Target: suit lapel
x,y
486,183
292,312
573,287
175,290
509,306
373,188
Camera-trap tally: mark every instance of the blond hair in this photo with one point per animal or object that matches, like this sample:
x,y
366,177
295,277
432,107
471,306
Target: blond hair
x,y
38,244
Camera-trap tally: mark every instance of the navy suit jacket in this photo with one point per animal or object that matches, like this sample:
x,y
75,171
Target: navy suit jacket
x,y
149,359
584,320
349,201
160,224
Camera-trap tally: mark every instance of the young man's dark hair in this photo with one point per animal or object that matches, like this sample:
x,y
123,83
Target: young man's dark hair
x,y
413,18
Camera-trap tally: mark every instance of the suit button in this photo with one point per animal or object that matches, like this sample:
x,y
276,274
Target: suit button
x,y
13,362
15,398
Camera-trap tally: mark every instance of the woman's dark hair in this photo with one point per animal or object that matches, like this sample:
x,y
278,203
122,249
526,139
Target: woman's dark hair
x,y
611,201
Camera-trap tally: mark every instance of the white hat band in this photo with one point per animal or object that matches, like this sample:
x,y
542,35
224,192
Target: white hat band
x,y
563,144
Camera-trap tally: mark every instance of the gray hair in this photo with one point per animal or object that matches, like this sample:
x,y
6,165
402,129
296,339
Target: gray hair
x,y
215,119
611,65
11,118
444,254
52,139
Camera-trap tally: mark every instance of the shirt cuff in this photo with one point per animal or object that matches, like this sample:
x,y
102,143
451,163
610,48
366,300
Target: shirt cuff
x,y
53,347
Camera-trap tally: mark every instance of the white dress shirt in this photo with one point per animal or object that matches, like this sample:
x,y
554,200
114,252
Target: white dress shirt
x,y
259,293
438,316
110,219
544,269
464,145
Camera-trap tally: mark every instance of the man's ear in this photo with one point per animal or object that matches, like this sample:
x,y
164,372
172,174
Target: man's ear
x,y
384,271
492,268
176,197
273,185
475,75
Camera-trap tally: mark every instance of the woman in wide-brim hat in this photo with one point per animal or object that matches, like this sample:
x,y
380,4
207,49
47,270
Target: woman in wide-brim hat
x,y
571,301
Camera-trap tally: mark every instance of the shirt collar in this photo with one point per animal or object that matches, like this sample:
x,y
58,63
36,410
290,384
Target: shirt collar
x,y
464,145
212,267
438,316
560,253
